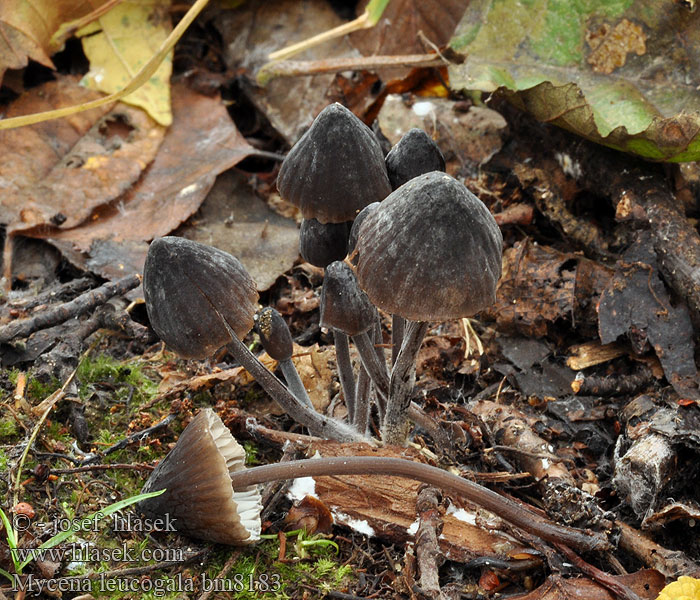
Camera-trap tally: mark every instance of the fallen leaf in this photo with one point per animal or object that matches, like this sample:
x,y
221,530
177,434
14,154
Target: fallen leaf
x,y
201,143
397,32
541,286
26,29
232,218
55,174
617,73
254,30
386,506
472,136
635,303
120,43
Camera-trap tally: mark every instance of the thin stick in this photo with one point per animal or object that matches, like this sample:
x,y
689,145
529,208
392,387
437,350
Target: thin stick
x,y
50,402
68,310
301,68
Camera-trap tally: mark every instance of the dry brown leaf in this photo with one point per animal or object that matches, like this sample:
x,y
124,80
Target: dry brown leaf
x,y
388,506
255,29
232,218
398,30
26,28
201,143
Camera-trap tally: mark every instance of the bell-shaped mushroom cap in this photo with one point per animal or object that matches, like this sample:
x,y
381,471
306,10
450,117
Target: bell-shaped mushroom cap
x,y
430,252
199,498
274,334
322,243
190,290
352,238
344,306
414,154
335,169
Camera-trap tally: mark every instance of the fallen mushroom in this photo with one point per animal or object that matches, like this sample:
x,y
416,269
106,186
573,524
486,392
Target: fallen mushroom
x,y
431,251
188,289
189,458
200,499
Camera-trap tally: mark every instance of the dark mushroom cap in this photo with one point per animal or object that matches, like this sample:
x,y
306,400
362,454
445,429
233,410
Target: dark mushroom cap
x,y
344,305
414,154
192,291
335,169
352,238
274,334
430,252
199,495
322,243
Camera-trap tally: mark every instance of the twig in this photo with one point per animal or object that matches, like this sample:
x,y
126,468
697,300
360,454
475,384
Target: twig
x,y
84,468
134,437
293,68
68,310
428,555
50,402
601,577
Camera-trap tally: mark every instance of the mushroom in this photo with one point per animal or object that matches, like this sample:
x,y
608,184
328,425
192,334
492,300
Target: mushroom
x,y
414,154
199,496
209,494
322,243
276,339
335,169
189,289
347,311
431,251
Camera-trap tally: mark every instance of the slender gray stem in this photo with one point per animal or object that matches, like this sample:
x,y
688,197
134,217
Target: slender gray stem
x,y
345,374
379,349
403,377
398,325
318,424
507,509
362,403
294,382
370,361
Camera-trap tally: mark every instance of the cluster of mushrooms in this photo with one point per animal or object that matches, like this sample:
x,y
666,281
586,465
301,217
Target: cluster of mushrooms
x,y
427,251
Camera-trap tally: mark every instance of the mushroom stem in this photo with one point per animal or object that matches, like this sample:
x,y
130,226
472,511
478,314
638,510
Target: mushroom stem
x,y
508,509
371,362
362,403
318,424
398,325
345,374
403,377
294,382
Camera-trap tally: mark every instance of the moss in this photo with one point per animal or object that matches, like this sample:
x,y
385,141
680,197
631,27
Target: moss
x,y
8,428
129,379
4,460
